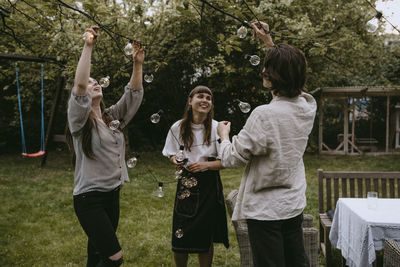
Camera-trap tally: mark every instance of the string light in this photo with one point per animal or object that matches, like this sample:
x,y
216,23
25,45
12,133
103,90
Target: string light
x,y
155,118
159,192
180,155
114,125
254,59
131,163
242,31
128,49
105,82
373,24
148,77
244,106
88,36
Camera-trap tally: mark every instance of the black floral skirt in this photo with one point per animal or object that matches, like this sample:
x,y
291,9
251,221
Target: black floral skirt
x,y
199,213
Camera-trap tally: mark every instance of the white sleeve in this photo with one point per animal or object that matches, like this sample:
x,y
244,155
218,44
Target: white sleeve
x,y
171,146
251,141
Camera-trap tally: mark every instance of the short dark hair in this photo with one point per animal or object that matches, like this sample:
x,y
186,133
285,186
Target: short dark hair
x,y
285,67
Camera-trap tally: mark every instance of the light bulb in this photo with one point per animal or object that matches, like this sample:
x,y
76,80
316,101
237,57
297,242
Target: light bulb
x,y
254,59
128,49
159,192
114,125
244,106
88,36
180,155
131,163
242,32
148,77
155,118
373,24
104,82
179,233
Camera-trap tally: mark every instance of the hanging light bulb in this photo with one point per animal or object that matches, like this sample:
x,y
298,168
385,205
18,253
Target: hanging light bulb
x,y
88,36
148,77
180,155
179,233
155,118
114,125
244,106
373,24
105,81
128,49
242,31
254,59
159,192
131,163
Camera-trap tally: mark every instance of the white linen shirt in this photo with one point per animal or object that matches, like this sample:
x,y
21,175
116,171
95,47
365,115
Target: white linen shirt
x,y
108,169
272,144
199,151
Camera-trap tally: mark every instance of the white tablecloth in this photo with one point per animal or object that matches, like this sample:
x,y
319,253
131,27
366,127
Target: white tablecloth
x,y
358,231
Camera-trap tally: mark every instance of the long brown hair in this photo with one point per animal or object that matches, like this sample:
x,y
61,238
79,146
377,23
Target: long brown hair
x,y
87,132
186,133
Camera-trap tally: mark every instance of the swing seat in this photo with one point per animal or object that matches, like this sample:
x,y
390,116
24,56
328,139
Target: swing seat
x,y
34,155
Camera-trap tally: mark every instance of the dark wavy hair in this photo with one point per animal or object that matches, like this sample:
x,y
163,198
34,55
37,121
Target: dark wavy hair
x,y
285,67
186,133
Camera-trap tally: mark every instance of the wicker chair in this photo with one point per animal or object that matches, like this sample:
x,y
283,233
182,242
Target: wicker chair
x,y
310,236
391,254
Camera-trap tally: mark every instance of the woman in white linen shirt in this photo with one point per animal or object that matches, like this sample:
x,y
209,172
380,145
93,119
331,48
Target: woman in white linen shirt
x,y
271,144
199,217
99,153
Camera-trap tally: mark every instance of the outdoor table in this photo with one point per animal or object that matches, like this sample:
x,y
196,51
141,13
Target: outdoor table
x,y
358,230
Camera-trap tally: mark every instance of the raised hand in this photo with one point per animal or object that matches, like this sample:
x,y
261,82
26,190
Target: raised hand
x,y
91,34
261,30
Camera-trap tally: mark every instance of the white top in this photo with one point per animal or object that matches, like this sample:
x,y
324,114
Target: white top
x,y
199,151
108,170
358,230
272,144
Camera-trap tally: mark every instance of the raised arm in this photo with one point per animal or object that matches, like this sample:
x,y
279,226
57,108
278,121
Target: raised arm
x,y
261,30
138,58
83,69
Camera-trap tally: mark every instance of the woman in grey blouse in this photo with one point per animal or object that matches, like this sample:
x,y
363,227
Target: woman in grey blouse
x,y
99,151
271,144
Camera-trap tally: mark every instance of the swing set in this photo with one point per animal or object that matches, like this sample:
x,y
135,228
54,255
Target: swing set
x,y
42,151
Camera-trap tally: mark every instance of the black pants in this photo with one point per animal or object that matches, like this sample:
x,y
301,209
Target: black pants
x,y
277,243
98,214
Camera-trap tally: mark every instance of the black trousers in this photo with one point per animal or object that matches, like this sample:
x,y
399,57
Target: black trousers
x,y
98,214
277,243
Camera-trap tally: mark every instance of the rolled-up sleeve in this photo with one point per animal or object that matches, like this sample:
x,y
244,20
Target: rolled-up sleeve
x,y
127,105
250,141
79,107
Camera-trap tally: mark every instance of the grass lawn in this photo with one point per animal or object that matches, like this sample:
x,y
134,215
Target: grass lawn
x,y
39,228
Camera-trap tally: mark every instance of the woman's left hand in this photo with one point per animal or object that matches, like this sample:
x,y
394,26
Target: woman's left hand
x,y
197,166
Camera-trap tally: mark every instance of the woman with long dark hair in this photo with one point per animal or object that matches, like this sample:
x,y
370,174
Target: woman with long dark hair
x,y
99,148
199,217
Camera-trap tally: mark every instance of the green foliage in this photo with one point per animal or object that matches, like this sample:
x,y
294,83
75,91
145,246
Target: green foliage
x,y
186,44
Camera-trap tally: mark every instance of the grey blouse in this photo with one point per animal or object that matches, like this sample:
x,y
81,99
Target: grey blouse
x,y
108,170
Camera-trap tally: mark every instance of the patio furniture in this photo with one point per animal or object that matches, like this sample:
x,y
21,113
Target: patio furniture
x,y
310,236
391,253
332,185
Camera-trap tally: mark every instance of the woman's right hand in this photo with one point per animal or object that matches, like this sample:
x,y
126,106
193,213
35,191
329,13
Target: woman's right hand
x,y
173,160
91,35
261,30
